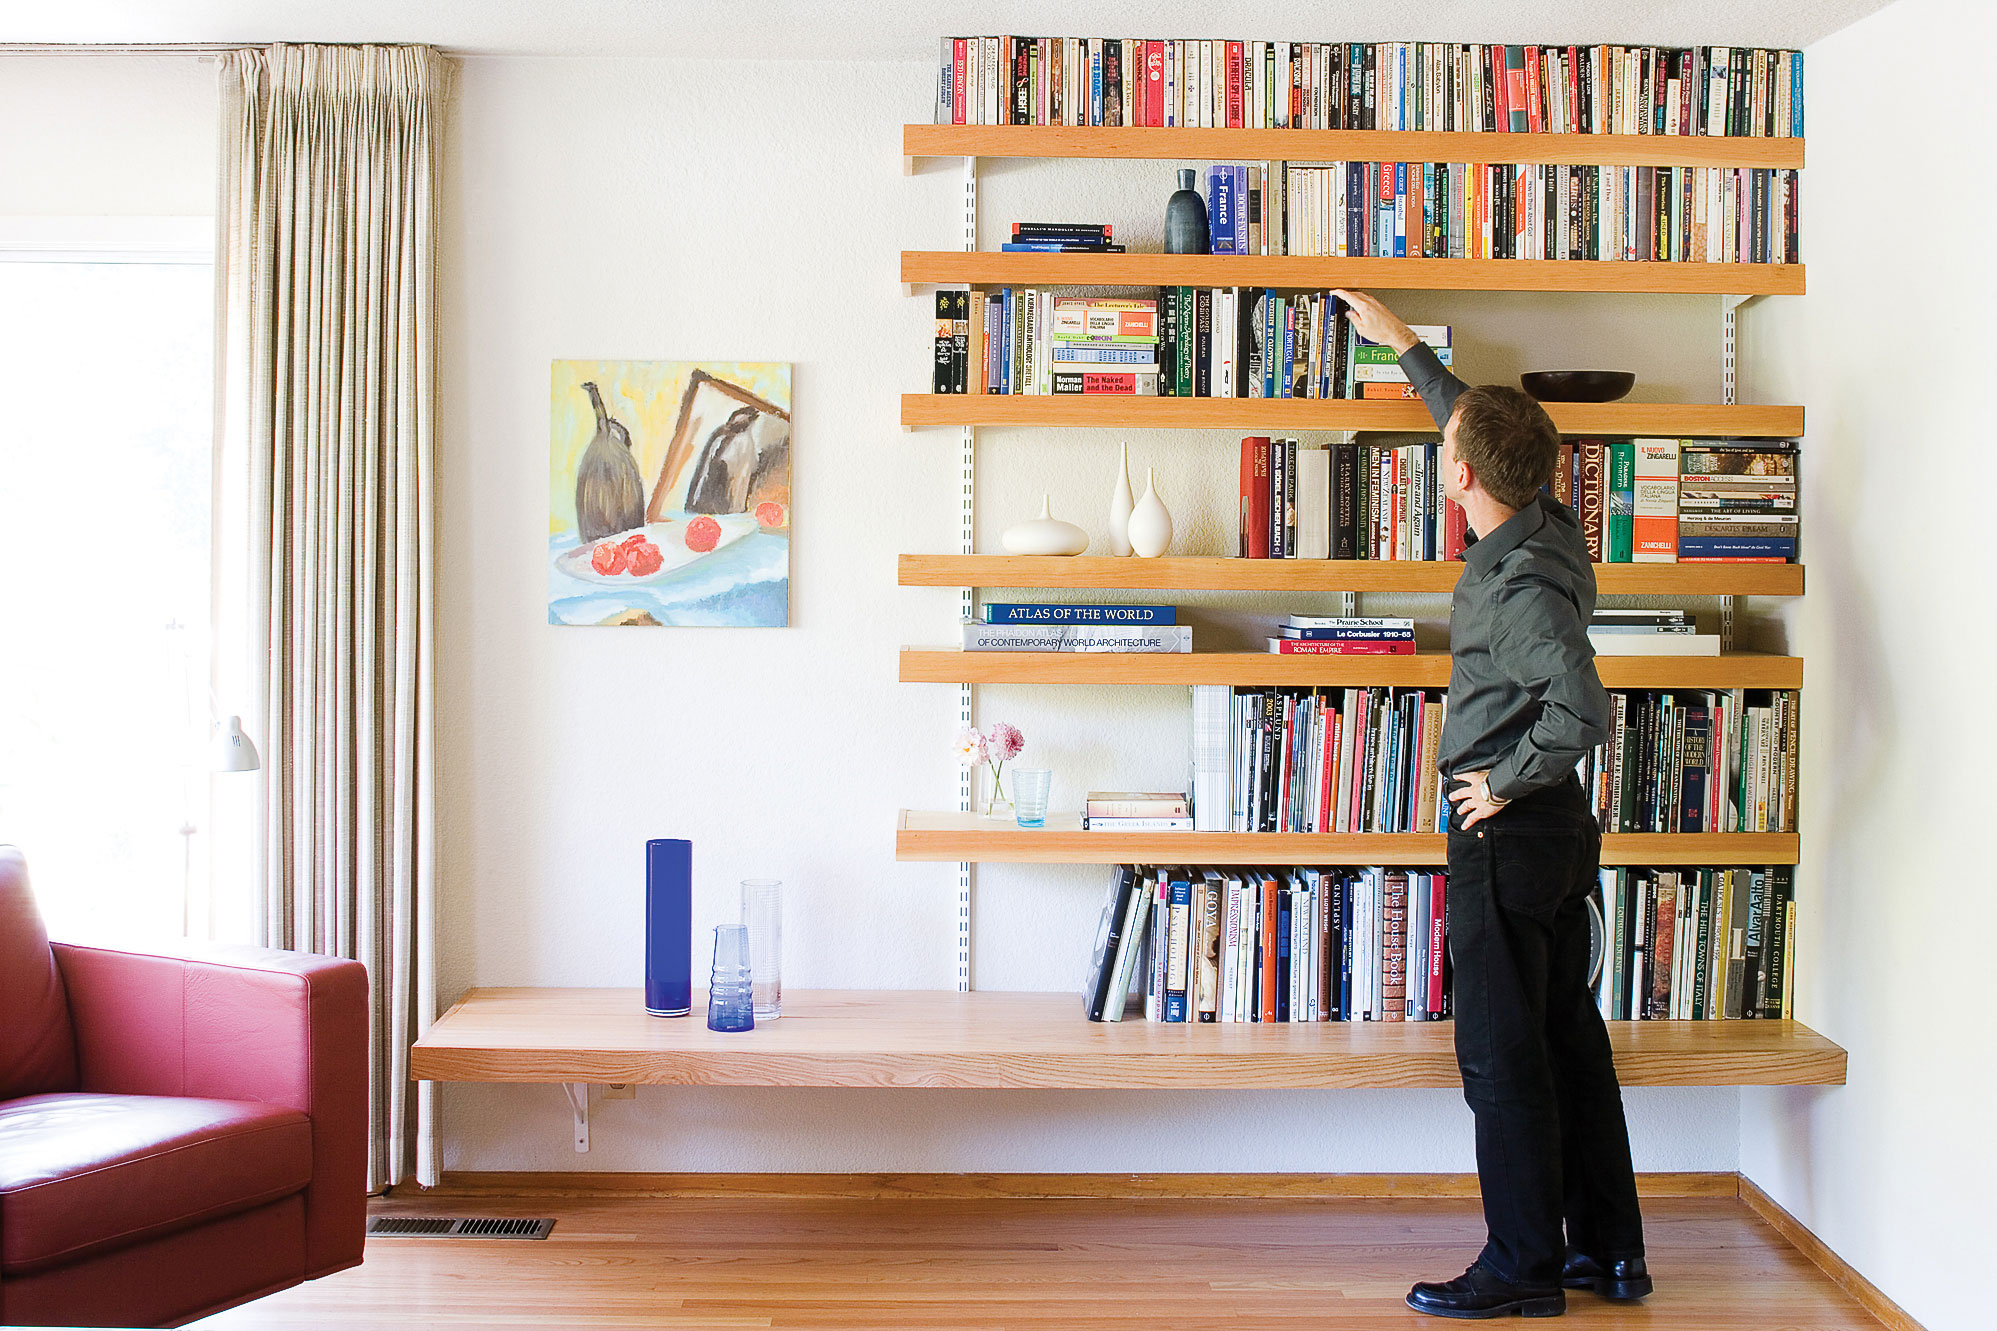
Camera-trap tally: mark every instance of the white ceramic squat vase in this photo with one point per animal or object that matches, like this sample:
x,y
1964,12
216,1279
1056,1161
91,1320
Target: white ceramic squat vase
x,y
1044,535
1120,504
1150,525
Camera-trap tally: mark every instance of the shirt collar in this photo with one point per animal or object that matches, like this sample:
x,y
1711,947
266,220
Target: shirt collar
x,y
1483,554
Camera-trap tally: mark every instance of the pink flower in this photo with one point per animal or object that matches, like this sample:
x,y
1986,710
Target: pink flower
x,y
1003,742
970,748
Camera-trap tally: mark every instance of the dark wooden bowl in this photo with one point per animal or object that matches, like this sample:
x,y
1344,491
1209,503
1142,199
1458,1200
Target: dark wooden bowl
x,y
1578,385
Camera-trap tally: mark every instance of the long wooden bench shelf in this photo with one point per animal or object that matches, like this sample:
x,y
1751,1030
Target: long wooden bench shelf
x,y
1193,573
968,838
924,411
1000,1041
985,268
949,665
1338,145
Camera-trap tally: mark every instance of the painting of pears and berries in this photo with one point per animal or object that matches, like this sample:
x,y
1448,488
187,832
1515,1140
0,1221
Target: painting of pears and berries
x,y
669,494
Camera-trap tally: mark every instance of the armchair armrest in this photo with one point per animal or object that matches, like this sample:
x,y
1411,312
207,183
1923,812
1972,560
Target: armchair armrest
x,y
284,1028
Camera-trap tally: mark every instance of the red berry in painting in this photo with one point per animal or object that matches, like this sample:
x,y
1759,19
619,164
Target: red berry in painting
x,y
609,558
703,534
772,514
646,559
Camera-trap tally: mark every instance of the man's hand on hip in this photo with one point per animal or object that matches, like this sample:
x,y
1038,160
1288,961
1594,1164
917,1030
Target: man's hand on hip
x,y
1375,322
1473,799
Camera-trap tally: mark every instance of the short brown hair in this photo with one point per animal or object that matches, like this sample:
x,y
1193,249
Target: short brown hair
x,y
1508,440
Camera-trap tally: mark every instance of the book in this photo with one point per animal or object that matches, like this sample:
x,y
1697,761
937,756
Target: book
x,y
1135,804
1654,514
1341,647
1091,383
1007,612
1102,823
1076,638
1109,935
1654,644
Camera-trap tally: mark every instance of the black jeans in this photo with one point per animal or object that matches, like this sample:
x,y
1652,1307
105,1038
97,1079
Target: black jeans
x,y
1552,1143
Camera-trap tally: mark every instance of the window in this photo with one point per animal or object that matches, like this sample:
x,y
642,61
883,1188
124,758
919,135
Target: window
x,y
105,496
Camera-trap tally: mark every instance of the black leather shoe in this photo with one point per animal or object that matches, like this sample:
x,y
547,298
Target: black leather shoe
x,y
1481,1292
1616,1280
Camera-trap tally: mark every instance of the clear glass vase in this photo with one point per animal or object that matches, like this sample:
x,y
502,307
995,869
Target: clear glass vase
x,y
993,802
730,1001
763,917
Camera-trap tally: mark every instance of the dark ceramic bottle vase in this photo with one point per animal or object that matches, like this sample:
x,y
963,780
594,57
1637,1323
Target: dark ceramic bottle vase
x,y
1186,217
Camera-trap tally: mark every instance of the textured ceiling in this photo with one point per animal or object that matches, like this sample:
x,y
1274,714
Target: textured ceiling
x,y
902,29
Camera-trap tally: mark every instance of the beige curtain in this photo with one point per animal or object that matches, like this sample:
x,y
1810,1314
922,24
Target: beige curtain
x,y
326,366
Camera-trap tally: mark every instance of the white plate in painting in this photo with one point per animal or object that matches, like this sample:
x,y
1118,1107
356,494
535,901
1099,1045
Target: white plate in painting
x,y
669,536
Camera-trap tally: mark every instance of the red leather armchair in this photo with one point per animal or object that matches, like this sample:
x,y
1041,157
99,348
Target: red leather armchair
x,y
177,1134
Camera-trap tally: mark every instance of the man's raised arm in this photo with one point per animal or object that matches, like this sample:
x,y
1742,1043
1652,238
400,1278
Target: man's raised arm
x,y
1439,388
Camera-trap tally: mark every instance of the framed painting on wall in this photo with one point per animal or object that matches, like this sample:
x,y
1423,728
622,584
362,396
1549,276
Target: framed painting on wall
x,y
669,499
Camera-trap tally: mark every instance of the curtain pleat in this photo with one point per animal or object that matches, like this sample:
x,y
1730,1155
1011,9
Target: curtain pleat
x,y
326,303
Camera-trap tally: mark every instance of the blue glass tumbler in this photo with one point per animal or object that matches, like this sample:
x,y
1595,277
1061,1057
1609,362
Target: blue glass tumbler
x,y
731,998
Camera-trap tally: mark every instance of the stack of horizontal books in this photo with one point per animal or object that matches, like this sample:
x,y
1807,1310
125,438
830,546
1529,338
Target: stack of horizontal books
x,y
1137,811
1649,633
1344,635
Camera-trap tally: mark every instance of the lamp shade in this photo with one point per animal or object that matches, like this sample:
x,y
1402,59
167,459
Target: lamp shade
x,y
233,751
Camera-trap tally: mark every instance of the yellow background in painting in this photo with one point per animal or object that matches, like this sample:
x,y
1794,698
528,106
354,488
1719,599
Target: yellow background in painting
x,y
644,397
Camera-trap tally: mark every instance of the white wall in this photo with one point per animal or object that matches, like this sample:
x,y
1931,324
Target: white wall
x,y
1895,1170
111,136
755,211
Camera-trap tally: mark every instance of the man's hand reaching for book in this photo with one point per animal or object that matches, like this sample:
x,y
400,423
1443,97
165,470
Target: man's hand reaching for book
x,y
1375,322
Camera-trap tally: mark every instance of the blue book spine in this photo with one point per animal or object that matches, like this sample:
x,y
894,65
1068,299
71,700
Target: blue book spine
x,y
1050,613
1220,191
1077,353
1240,209
1289,352
1400,210
1355,182
1744,547
1181,918
1005,344
1796,94
1271,311
668,927
1285,903
1428,202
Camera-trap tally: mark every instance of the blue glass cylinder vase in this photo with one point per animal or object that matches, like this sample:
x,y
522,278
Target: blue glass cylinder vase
x,y
731,993
668,927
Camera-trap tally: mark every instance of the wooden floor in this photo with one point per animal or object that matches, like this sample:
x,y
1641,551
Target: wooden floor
x,y
1043,1265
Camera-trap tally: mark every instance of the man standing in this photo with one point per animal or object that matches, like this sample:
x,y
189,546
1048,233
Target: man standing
x,y
1525,705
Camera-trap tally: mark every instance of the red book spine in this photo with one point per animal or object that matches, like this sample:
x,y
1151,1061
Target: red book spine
x,y
1573,90
1535,110
1154,80
1268,976
1234,89
1255,498
957,76
1454,527
1438,920
1336,647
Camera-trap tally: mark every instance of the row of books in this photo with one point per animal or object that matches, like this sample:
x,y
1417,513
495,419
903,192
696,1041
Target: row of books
x,y
1252,84
1187,342
1478,210
1360,759
1698,944
1304,500
1643,501
1233,944
1363,759
1697,760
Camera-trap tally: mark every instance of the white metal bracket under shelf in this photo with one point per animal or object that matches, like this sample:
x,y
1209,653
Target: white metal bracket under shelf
x,y
578,1097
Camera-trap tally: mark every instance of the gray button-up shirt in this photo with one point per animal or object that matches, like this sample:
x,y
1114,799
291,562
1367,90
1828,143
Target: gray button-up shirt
x,y
1524,699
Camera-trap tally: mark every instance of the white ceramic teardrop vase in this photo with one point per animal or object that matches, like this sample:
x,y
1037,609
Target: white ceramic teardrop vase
x,y
1150,525
1120,505
1044,535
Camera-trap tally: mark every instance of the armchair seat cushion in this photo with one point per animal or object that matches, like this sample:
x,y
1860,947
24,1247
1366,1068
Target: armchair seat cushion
x,y
82,1174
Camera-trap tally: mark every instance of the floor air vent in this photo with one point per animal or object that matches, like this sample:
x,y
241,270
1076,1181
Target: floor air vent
x,y
456,1227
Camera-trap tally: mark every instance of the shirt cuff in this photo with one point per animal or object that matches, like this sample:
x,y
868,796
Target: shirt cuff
x,y
1505,781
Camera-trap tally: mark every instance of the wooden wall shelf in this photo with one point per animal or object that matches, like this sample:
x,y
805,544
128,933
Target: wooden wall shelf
x,y
968,838
1343,145
921,411
1001,1041
958,268
1742,670
1194,573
